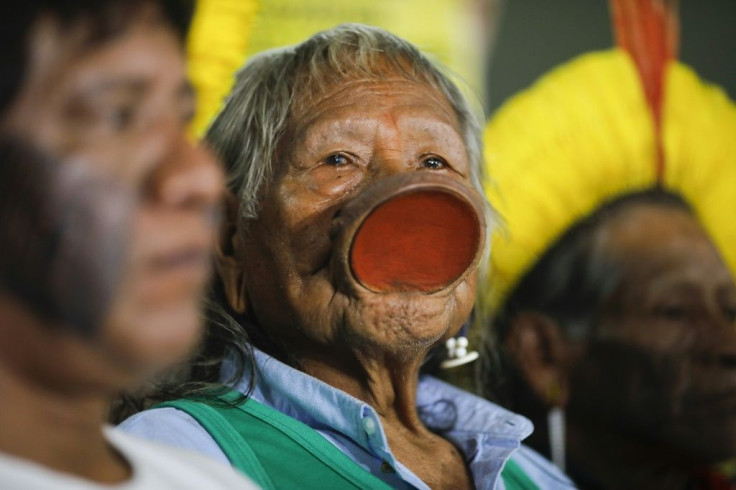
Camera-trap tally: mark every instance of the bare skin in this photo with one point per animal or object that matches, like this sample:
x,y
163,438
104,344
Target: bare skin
x,y
650,395
370,346
45,424
116,113
671,325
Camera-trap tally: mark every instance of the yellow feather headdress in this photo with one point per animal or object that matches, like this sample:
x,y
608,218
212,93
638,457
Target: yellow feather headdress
x,y
226,32
585,134
216,47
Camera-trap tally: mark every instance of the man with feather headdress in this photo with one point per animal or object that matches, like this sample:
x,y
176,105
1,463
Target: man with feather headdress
x,y
612,295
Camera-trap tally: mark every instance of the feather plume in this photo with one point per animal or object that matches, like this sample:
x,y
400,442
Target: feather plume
x,y
217,45
649,31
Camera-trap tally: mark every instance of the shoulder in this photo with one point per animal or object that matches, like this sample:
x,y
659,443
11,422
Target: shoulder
x,y
16,472
159,466
154,466
470,413
539,470
173,427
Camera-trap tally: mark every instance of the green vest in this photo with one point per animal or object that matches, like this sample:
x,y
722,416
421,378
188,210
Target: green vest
x,y
277,451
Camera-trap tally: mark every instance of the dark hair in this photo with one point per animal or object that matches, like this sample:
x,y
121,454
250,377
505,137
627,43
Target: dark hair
x,y
106,18
571,281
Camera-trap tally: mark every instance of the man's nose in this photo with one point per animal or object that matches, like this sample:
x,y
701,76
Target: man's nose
x,y
189,176
388,162
717,343
716,316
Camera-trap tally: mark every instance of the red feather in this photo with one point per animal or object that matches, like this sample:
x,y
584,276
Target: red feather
x,y
649,31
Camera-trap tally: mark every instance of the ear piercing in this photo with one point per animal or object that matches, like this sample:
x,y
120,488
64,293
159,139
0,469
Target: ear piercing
x,y
457,351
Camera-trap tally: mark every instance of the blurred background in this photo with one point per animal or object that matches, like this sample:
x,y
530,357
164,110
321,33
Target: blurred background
x,y
497,47
535,35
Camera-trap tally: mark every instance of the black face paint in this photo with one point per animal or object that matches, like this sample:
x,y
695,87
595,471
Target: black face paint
x,y
684,396
63,236
621,385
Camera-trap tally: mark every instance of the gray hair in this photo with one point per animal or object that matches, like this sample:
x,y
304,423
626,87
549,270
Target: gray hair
x,y
269,88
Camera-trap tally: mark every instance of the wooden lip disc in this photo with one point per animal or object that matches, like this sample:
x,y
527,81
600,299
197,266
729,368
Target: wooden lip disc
x,y
421,240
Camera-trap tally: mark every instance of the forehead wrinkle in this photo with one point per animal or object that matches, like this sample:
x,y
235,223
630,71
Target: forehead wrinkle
x,y
620,234
420,131
328,130
432,128
358,112
666,259
311,103
392,116
691,275
100,87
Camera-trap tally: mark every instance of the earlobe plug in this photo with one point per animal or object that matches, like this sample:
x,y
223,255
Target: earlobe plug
x,y
457,351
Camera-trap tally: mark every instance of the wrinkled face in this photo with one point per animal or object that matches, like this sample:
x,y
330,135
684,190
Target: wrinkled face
x,y
662,365
109,120
350,137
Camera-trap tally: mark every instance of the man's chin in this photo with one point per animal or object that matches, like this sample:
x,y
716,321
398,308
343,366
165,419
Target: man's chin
x,y
157,341
403,326
711,441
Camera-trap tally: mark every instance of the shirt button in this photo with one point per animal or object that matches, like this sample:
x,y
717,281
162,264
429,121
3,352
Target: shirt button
x,y
369,425
386,467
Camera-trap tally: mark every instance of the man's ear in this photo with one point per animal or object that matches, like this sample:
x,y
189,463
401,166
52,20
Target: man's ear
x,y
229,255
540,353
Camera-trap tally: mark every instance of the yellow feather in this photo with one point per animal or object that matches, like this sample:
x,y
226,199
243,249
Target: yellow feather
x,y
216,48
700,148
583,135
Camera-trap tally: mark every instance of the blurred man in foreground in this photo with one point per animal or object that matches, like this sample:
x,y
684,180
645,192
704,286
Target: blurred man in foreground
x,y
106,227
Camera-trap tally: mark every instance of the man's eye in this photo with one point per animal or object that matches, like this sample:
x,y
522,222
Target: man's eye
x,y
120,118
674,313
730,313
337,160
433,163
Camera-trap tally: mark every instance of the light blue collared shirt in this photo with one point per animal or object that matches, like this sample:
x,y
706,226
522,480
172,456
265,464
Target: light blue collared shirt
x,y
486,434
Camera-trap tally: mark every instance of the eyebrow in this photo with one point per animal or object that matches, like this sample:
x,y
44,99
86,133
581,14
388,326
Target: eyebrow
x,y
102,87
135,85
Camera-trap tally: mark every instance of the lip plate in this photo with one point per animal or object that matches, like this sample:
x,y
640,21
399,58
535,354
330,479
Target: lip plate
x,y
359,211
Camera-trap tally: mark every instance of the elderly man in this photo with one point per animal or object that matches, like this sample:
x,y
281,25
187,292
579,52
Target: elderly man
x,y
614,301
325,325
106,228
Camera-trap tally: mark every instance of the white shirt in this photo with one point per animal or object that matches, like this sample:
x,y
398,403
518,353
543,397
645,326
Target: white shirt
x,y
153,466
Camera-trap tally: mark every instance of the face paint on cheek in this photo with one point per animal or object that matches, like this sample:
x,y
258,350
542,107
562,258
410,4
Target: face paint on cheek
x,y
618,384
63,232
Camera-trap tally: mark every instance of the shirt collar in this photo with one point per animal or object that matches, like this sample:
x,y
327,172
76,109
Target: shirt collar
x,y
442,407
307,399
486,433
